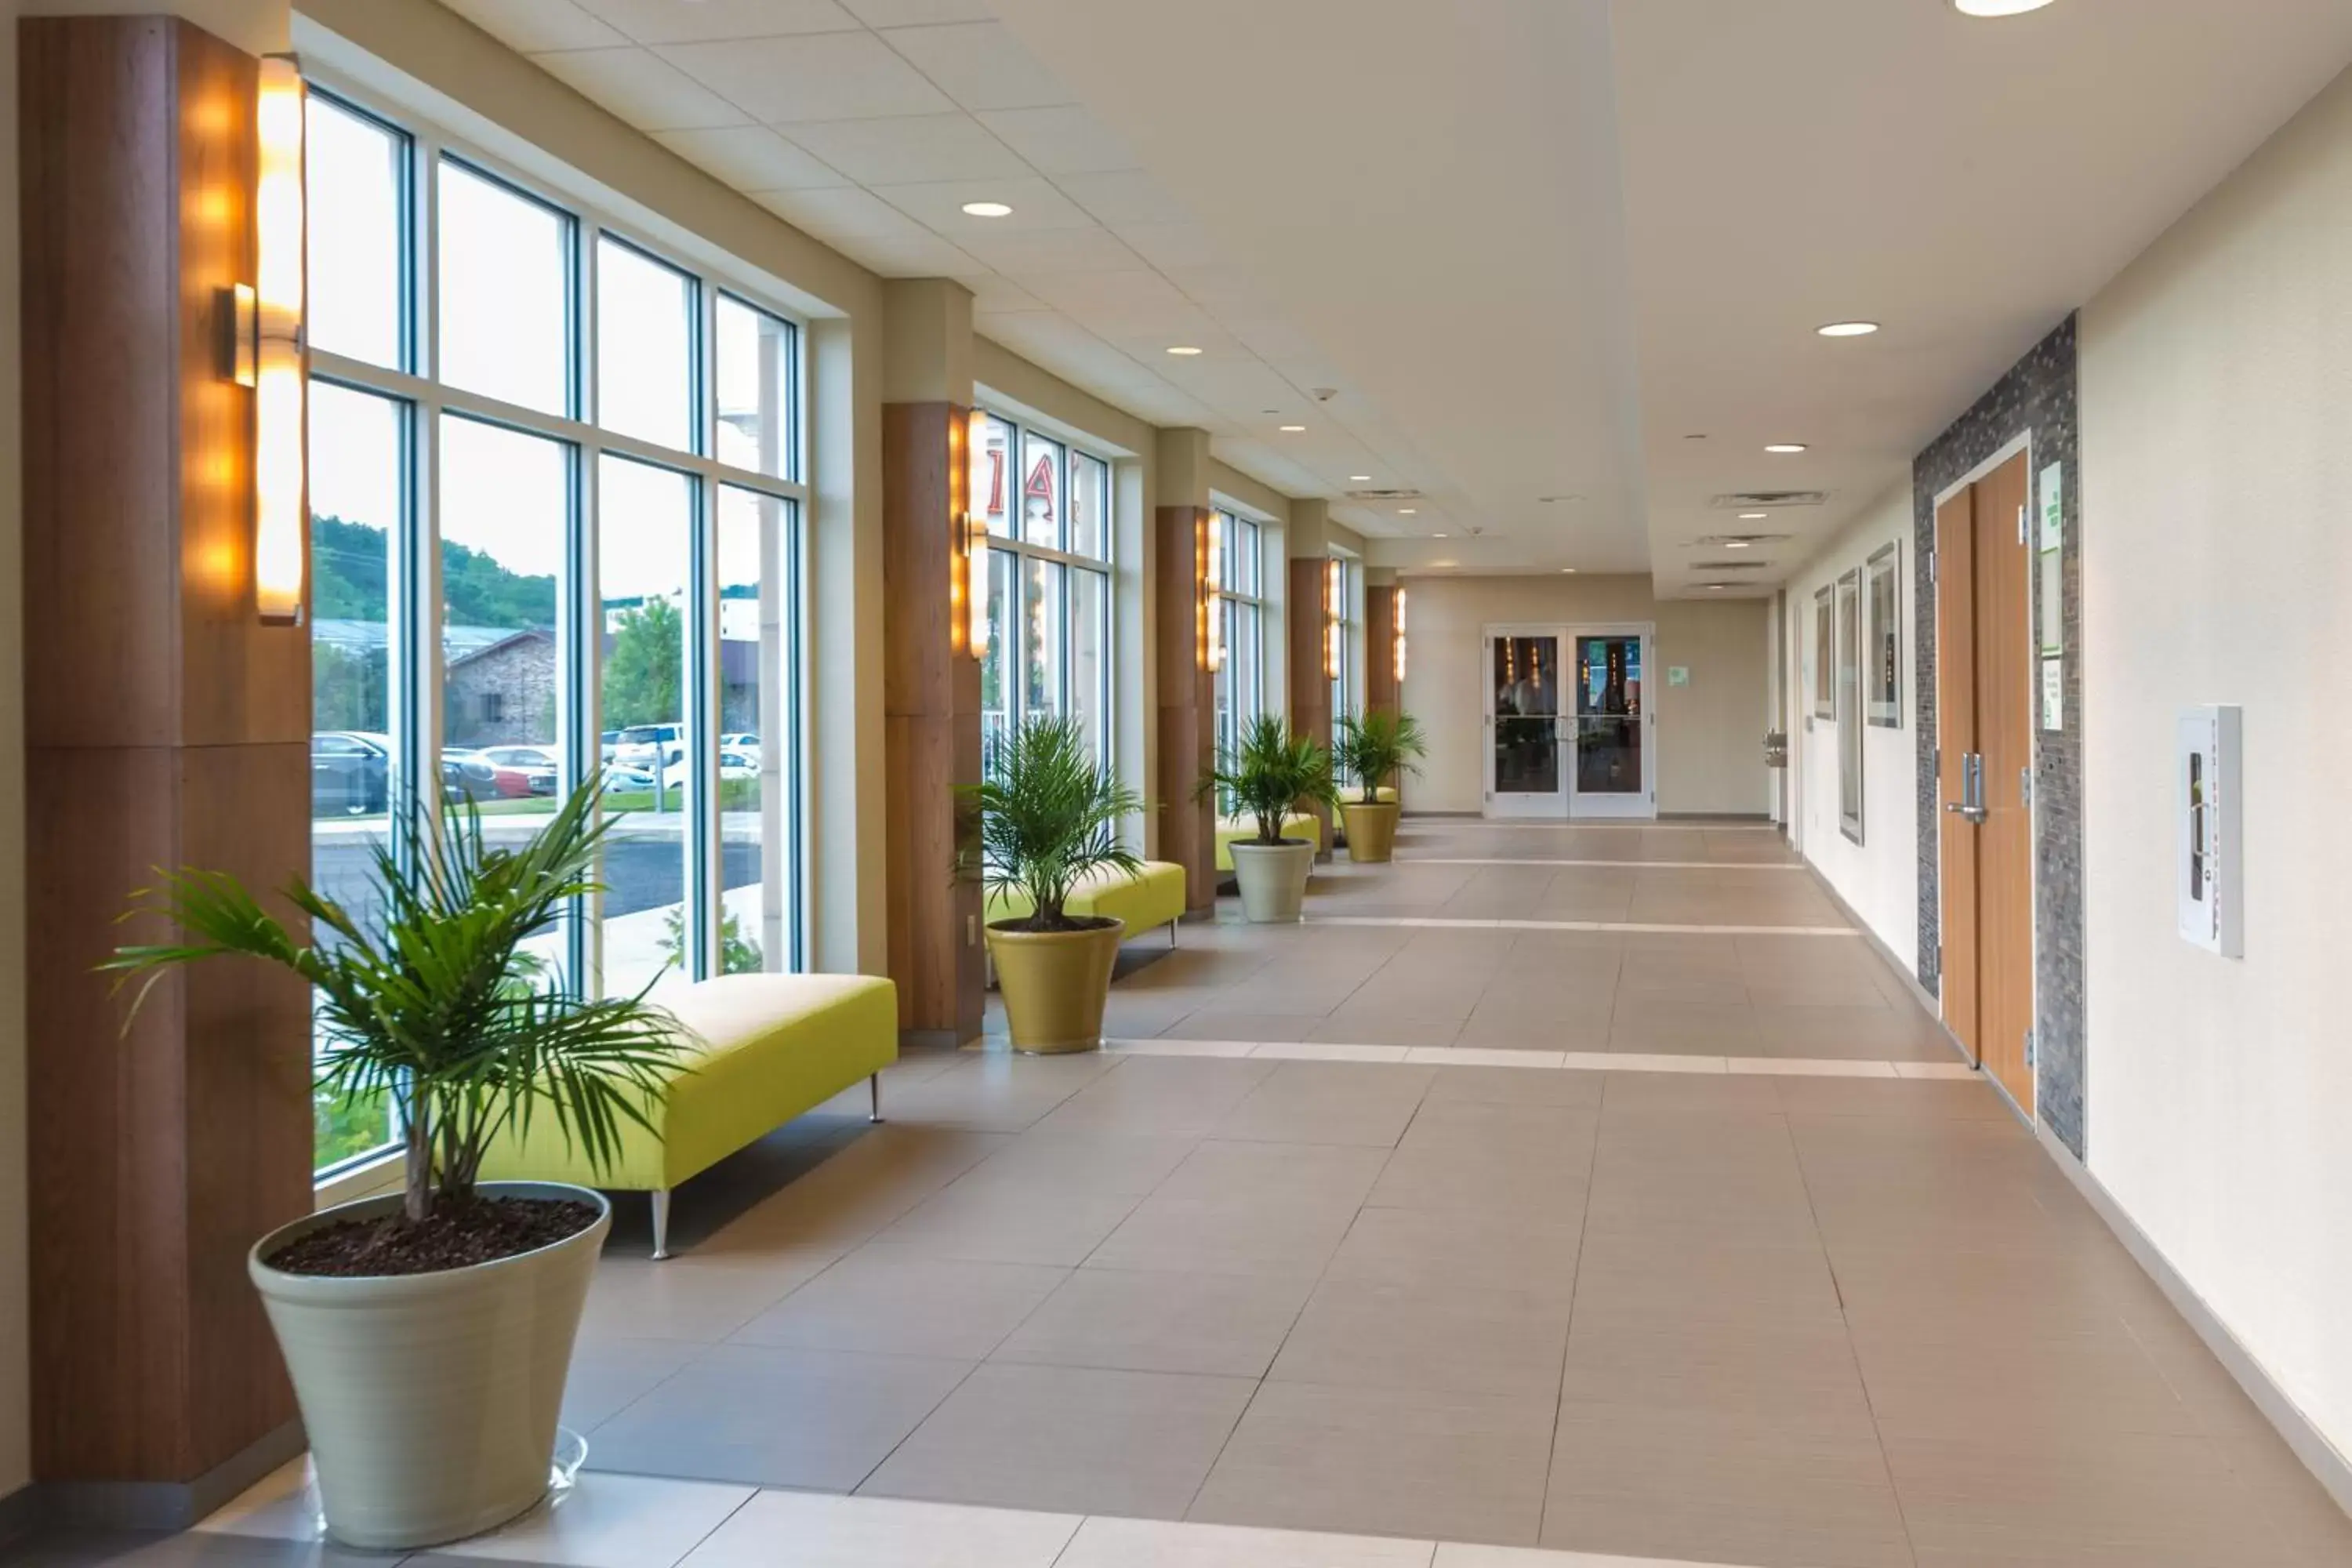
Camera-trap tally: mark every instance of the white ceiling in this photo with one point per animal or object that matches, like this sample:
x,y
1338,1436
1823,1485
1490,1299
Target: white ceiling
x,y
1529,247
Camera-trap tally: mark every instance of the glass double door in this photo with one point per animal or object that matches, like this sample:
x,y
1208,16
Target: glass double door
x,y
1567,729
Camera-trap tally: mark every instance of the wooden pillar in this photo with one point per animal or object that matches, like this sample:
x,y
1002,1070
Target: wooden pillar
x,y
1187,701
165,726
1380,694
932,722
1310,675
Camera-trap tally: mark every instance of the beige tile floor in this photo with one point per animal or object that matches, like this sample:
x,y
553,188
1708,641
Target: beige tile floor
x,y
1774,1320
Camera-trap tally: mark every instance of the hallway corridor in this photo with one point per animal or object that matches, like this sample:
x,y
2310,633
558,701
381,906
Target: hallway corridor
x,y
1546,1188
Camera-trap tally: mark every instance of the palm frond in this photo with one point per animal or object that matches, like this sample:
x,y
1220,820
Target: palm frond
x,y
1372,748
1271,770
1046,815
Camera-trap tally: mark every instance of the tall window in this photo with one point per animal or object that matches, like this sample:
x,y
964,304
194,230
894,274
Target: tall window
x,y
1342,582
1047,508
1241,607
555,508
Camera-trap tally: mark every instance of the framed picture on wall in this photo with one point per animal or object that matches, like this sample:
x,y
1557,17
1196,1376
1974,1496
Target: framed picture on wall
x,y
1849,703
1825,654
1882,681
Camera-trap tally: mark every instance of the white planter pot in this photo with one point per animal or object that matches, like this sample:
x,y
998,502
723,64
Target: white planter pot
x,y
431,1399
1273,879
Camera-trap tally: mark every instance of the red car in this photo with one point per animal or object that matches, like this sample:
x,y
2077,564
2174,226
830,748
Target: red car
x,y
520,772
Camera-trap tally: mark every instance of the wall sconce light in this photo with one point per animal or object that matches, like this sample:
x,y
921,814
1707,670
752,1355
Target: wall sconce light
x,y
1399,637
1335,584
964,441
269,353
1212,592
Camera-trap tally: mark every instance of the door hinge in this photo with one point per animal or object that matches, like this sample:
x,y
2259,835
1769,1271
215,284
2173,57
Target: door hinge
x,y
2021,524
1931,566
2025,786
2028,1048
1938,768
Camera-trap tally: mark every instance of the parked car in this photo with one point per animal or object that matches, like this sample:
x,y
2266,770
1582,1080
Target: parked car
x,y
733,764
520,772
350,773
466,777
747,745
650,745
609,742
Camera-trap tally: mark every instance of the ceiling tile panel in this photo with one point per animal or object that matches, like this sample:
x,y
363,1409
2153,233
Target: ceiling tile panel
x,y
1061,141
694,21
648,92
1055,251
1035,205
917,256
909,149
1123,196
751,158
844,212
981,65
917,13
535,25
816,76
993,294
1171,243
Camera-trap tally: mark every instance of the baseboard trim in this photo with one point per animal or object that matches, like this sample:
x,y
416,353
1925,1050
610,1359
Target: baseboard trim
x,y
1920,993
2326,1463
20,1513
165,1505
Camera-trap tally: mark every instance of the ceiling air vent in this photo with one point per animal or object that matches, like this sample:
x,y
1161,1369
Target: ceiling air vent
x,y
1730,565
1384,495
1736,541
1743,501
1714,587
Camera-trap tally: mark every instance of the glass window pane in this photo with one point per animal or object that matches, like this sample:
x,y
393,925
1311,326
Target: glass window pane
x,y
1041,612
756,730
505,292
1041,491
645,346
359,501
1089,506
505,500
993,477
755,378
1251,555
995,685
355,180
1089,656
644,538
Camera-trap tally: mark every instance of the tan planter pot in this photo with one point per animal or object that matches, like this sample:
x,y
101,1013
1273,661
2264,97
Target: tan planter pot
x,y
1055,983
1372,831
1273,879
431,1399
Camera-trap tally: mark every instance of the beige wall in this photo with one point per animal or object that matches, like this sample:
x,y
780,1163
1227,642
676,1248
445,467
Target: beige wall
x,y
1709,733
2217,471
1880,875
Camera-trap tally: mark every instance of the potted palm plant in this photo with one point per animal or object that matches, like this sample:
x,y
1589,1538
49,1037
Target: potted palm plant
x,y
1271,771
1048,819
1375,749
428,1332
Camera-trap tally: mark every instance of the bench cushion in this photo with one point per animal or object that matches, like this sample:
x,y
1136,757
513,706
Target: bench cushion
x,y
765,1048
1152,896
1298,825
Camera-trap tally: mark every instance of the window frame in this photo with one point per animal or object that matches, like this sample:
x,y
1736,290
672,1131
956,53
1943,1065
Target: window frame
x,y
416,667
1012,617
1235,527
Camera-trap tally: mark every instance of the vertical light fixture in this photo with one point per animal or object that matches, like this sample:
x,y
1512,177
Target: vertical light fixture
x,y
1335,584
974,555
1212,596
279,483
1400,639
1202,533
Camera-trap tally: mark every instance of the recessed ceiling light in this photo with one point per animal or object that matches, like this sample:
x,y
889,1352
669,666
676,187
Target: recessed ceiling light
x,y
1715,587
1408,512
1847,328
1998,7
1735,544
1184,351
1292,429
1754,516
1360,478
1441,536
1785,448
1570,569
987,209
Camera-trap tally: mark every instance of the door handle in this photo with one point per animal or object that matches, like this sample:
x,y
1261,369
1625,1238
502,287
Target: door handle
x,y
1971,803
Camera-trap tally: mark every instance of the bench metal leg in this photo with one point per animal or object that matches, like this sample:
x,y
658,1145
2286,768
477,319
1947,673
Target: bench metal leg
x,y
661,1223
874,1096
1172,933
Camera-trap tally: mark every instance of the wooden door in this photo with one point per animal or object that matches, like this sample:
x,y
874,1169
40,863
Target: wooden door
x,y
1956,744
1984,685
2004,664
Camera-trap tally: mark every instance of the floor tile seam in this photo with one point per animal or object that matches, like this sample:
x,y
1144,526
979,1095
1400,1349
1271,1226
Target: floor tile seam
x,y
1583,1235
938,1405
751,1496
1854,1356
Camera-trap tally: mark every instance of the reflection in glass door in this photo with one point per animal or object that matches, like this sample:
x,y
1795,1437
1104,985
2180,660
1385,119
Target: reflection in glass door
x,y
1612,762
1525,776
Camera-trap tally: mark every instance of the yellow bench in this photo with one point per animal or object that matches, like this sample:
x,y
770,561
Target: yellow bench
x,y
1231,829
762,1049
1152,896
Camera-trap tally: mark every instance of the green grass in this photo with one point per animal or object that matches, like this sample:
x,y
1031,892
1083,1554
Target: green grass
x,y
342,1127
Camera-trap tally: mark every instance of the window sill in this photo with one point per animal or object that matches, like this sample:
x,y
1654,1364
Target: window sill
x,y
380,1175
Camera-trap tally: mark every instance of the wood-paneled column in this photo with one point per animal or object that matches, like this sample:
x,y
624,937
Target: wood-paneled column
x,y
1379,647
931,680
165,726
1187,716
1310,674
